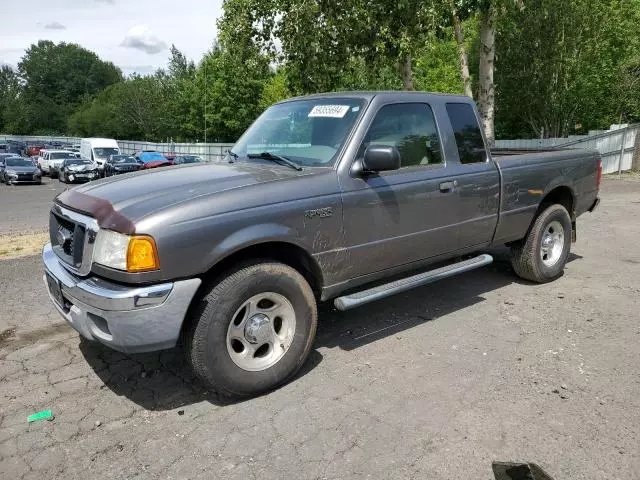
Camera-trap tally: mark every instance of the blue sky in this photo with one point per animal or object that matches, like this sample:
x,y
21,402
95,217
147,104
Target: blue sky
x,y
133,34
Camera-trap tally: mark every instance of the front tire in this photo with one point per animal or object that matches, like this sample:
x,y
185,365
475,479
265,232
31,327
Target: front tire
x,y
251,332
541,256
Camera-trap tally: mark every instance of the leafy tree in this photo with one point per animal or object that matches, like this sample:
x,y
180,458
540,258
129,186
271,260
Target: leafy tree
x,y
436,68
275,89
136,108
319,40
56,79
560,66
232,85
9,95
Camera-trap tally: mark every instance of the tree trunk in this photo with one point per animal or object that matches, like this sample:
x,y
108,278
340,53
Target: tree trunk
x,y
407,73
462,52
486,90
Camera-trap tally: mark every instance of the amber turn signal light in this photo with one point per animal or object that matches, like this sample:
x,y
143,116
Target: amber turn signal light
x,y
142,254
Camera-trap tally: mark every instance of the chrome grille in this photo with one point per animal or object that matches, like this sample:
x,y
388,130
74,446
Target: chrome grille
x,y
72,237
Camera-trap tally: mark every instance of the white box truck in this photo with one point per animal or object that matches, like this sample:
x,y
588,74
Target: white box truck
x,y
98,150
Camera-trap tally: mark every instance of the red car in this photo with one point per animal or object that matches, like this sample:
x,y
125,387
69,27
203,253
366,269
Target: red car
x,y
153,160
34,150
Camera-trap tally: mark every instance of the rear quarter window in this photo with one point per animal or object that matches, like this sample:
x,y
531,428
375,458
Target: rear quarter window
x,y
467,133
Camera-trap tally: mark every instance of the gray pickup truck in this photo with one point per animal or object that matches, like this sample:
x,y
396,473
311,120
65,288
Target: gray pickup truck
x,y
345,196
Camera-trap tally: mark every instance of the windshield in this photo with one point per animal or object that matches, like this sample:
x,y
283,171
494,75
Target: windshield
x,y
125,159
309,132
77,162
59,155
18,162
105,152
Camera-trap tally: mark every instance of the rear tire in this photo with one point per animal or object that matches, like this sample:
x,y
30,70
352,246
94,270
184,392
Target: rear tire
x,y
541,256
237,344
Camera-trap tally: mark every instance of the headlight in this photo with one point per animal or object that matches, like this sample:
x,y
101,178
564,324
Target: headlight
x,y
11,173
135,253
36,173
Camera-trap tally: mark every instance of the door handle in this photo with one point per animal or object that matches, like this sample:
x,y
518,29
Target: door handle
x,y
448,186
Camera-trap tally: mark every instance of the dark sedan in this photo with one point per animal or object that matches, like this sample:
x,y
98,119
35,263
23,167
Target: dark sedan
x,y
78,170
15,170
117,164
182,159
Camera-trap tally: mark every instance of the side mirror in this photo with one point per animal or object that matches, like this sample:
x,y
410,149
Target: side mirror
x,y
380,158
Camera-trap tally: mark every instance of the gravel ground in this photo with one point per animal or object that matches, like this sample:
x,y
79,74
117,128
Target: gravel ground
x,y
433,384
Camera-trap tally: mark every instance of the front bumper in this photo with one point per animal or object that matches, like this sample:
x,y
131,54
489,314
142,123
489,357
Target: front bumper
x,y
14,181
81,179
125,318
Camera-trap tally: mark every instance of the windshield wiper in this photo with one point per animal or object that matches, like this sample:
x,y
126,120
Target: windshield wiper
x,y
275,158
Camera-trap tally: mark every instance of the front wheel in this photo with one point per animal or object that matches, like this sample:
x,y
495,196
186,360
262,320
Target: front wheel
x,y
541,256
252,331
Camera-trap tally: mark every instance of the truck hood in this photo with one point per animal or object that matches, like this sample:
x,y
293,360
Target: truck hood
x,y
140,194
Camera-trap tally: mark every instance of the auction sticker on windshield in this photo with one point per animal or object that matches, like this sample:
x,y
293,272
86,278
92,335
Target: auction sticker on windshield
x,y
332,111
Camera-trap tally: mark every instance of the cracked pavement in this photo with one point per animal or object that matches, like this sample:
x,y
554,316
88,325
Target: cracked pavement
x,y
435,383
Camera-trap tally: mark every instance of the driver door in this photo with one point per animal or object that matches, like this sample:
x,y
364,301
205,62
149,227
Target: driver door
x,y
403,216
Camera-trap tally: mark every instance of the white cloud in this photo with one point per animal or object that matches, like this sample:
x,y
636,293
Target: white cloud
x,y
55,26
142,38
101,27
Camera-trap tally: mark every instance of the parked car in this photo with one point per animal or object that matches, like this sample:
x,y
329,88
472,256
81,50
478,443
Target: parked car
x,y
321,196
51,160
140,152
182,159
4,156
78,170
7,155
121,164
33,150
153,159
16,170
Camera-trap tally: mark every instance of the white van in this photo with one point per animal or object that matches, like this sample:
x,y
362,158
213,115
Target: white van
x,y
98,150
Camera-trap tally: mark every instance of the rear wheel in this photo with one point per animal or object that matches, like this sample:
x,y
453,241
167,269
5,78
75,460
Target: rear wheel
x,y
253,330
542,255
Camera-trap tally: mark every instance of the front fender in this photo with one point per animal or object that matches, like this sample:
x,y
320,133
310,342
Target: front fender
x,y
253,235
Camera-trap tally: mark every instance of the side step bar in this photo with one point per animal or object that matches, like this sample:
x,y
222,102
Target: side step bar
x,y
376,293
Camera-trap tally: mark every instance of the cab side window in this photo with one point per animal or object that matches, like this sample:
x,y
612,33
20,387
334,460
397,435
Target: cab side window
x,y
411,128
467,133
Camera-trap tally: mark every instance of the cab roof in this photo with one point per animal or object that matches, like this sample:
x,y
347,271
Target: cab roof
x,y
382,94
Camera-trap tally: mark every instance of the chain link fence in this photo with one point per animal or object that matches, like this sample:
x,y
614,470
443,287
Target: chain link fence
x,y
209,152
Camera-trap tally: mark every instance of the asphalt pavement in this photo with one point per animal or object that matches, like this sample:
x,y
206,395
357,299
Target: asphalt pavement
x,y
432,384
25,208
